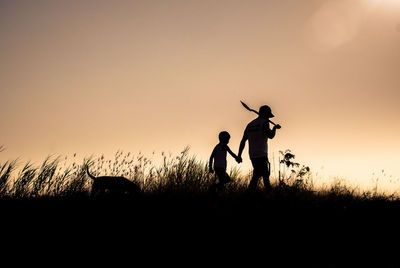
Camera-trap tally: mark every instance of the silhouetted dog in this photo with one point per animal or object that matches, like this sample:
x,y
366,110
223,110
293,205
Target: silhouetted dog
x,y
112,186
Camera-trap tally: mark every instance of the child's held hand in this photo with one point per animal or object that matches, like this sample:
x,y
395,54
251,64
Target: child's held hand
x,y
239,159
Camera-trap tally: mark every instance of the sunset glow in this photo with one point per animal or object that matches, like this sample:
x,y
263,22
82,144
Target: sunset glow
x,y
94,77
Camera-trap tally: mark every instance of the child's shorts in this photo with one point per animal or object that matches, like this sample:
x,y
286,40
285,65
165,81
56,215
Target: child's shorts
x,y
222,175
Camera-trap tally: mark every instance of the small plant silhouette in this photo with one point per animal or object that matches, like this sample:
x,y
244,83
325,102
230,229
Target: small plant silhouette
x,y
297,173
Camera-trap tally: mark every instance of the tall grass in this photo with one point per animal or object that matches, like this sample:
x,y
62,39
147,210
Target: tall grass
x,y
177,174
182,174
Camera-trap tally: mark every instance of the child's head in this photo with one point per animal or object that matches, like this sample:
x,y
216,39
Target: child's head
x,y
224,137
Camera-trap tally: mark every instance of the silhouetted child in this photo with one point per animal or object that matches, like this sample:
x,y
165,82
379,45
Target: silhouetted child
x,y
218,156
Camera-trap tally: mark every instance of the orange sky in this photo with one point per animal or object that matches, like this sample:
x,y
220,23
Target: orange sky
x,y
92,77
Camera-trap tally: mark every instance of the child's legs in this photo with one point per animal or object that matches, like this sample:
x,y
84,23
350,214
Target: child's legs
x,y
223,177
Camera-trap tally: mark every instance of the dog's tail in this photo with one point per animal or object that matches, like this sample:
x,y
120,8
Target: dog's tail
x,y
90,175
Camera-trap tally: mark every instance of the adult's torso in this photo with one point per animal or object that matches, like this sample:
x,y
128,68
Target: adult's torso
x,y
257,136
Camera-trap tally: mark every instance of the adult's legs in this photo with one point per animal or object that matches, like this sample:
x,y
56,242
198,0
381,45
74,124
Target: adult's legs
x,y
260,169
267,183
254,181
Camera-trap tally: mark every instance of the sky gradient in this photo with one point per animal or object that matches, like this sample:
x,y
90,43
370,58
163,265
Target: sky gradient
x,y
93,77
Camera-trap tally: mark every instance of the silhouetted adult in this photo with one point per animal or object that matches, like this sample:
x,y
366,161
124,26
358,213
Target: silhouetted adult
x,y
257,133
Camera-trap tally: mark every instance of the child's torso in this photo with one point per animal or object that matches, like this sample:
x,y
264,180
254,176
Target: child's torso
x,y
220,156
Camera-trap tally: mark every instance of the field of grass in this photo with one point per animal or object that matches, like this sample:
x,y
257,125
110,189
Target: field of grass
x,y
175,197
177,176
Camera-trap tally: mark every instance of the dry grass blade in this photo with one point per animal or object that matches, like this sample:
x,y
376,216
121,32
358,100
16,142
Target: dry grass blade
x,y
5,174
26,176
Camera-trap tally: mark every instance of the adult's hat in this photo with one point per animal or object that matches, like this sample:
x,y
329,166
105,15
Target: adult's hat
x,y
266,110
